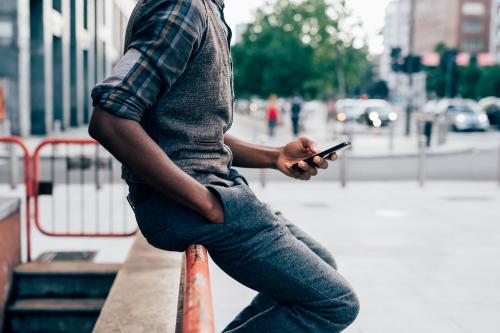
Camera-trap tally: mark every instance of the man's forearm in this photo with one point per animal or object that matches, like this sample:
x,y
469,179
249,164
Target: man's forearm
x,y
249,155
130,144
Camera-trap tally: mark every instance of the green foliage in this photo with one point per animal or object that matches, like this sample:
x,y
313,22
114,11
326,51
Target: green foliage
x,y
471,81
442,80
305,46
489,83
379,89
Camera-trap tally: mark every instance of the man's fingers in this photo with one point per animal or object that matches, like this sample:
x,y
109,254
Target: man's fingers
x,y
333,157
320,162
308,144
307,169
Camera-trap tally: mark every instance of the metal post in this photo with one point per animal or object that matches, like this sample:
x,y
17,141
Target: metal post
x,y
344,163
343,168
498,165
391,136
421,160
411,47
262,171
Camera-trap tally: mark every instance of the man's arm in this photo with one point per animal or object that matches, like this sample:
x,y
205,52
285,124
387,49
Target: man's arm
x,y
132,146
249,155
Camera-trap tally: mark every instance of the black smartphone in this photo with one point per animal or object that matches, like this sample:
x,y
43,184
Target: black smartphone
x,y
323,154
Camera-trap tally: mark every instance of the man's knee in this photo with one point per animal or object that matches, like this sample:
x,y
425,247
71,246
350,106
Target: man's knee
x,y
349,309
342,310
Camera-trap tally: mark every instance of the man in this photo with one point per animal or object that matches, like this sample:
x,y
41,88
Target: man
x,y
295,114
164,113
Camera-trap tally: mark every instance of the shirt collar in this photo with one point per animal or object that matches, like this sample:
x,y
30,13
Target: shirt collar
x,y
219,3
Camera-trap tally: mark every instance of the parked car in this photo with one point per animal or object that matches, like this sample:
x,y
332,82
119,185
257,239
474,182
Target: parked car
x,y
463,114
377,113
348,110
491,105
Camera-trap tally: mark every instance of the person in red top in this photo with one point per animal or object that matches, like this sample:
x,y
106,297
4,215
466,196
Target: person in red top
x,y
272,115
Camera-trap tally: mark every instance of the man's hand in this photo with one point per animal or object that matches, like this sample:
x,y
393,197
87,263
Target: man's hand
x,y
296,151
215,210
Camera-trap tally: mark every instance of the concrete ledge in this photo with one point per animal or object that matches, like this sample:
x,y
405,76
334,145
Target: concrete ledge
x,y
144,296
10,247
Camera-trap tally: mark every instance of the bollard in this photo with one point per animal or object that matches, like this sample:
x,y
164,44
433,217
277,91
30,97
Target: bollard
x,y
344,163
262,171
391,136
343,168
421,160
498,166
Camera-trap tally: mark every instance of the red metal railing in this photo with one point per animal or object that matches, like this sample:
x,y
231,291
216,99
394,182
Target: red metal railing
x,y
197,299
197,310
77,190
27,182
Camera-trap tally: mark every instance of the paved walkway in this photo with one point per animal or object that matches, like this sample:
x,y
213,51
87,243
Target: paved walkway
x,y
422,260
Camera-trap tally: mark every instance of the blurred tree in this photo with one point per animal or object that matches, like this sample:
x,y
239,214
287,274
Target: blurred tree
x,y
469,80
312,47
443,79
489,83
379,89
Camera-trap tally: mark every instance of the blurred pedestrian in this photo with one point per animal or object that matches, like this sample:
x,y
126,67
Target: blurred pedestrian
x,y
272,115
295,114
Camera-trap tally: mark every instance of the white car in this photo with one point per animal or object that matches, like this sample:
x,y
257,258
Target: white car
x,y
378,112
348,110
463,114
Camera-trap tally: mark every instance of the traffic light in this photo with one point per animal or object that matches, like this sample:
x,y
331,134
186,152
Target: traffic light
x,y
412,64
396,59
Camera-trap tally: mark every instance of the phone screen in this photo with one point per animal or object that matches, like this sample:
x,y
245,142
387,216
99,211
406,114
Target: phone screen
x,y
323,154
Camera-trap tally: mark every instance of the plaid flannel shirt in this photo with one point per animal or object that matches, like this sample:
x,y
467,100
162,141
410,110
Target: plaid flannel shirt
x,y
163,40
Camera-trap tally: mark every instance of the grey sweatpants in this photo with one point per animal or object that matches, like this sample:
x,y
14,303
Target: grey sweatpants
x,y
299,287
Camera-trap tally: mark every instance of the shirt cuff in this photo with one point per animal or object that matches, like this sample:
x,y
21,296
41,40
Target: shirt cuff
x,y
118,102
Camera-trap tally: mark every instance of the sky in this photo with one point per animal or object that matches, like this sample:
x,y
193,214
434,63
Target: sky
x,y
371,13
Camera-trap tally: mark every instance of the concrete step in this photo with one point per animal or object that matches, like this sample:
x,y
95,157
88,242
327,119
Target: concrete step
x,y
53,315
63,279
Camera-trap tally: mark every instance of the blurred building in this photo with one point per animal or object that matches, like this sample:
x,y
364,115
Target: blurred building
x,y
53,52
397,35
495,30
460,24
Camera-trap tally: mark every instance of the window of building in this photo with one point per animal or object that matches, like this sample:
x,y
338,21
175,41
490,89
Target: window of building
x,y
85,14
472,45
473,9
472,26
56,4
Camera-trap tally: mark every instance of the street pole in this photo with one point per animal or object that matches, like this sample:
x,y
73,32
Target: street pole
x,y
421,160
498,166
391,136
411,49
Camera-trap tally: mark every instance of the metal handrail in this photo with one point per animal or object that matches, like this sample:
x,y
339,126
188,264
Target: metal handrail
x,y
197,309
36,181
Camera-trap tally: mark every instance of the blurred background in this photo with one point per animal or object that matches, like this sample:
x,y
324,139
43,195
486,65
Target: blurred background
x,y
411,211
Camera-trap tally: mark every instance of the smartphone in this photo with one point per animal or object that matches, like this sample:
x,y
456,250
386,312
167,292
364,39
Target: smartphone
x,y
323,154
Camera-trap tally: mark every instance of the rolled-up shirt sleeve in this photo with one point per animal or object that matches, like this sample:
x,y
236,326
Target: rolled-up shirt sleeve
x,y
166,37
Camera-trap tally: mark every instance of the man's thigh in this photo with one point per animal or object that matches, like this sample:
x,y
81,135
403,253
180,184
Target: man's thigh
x,y
311,243
256,248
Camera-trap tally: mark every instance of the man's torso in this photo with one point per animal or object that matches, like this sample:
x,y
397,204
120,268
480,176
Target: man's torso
x,y
189,121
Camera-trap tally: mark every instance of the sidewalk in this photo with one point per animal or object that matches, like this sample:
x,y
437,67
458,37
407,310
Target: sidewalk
x,y
366,142
421,260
